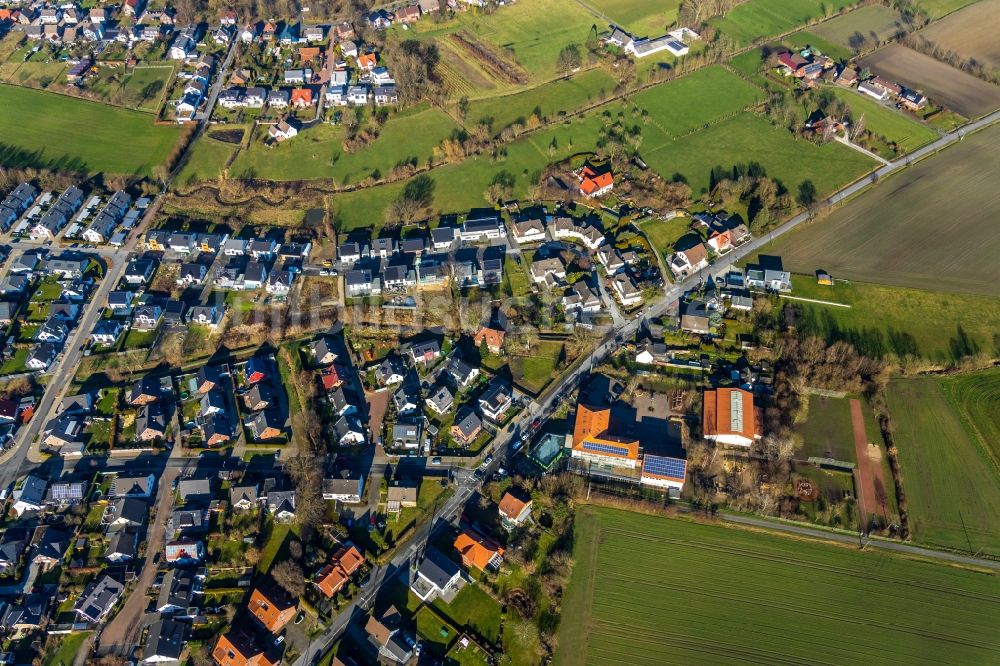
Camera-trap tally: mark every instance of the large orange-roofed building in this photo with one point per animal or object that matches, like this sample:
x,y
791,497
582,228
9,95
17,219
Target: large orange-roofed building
x,y
730,417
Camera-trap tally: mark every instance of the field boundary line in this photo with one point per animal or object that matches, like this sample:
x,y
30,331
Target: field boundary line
x,y
814,300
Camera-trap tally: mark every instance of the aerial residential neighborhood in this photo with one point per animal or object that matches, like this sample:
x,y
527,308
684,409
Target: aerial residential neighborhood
x,y
481,332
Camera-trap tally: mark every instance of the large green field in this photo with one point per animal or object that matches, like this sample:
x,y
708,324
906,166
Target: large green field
x,y
318,152
752,138
897,320
206,160
755,20
908,133
56,131
938,8
922,228
653,590
696,100
952,484
827,431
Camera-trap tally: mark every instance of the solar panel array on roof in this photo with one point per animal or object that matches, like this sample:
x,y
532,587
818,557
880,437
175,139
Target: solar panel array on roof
x,y
735,411
673,468
605,448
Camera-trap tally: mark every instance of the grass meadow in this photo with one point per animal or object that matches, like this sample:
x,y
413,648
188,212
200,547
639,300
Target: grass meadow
x,y
206,160
755,20
949,470
640,17
318,153
827,430
749,137
938,8
653,590
922,228
897,320
56,131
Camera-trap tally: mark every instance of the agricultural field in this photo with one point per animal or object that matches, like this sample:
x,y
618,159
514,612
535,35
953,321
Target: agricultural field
x,y
976,396
854,29
807,38
969,32
640,17
907,133
921,228
749,137
654,590
753,21
951,482
696,100
318,153
49,134
550,99
887,320
960,92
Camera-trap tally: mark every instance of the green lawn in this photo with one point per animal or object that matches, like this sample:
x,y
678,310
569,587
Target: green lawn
x,y
808,38
67,647
755,20
318,153
751,138
827,431
892,125
692,101
206,160
952,486
896,320
516,278
143,88
534,372
277,542
662,234
474,609
137,339
437,633
562,95
653,590
15,363
640,17
49,134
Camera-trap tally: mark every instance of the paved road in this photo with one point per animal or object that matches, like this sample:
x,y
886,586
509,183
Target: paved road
x,y
213,94
853,540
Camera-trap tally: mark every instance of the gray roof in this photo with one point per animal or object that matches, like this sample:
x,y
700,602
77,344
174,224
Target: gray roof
x,y
131,510
99,597
167,639
437,568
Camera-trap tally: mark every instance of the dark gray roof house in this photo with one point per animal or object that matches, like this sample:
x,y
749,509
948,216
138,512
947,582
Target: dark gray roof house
x,y
165,643
98,599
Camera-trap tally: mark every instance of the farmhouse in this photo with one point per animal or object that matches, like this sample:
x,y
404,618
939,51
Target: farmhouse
x,y
595,180
729,417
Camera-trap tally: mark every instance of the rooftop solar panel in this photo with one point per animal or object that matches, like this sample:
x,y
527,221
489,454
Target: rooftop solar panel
x,y
605,448
662,466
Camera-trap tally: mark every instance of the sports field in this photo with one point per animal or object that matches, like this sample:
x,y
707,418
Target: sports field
x,y
922,228
960,92
952,485
752,138
640,17
755,20
318,153
56,131
652,590
889,320
695,100
856,28
970,32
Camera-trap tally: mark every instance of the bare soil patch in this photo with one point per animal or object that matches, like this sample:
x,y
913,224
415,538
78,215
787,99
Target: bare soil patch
x,y
960,92
869,470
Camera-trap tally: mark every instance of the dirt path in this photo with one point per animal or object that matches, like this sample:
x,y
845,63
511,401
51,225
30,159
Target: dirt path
x,y
123,632
869,465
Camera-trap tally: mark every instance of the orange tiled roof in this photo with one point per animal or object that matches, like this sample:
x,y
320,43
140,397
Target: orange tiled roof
x,y
303,94
272,611
511,506
494,337
593,425
476,551
591,184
